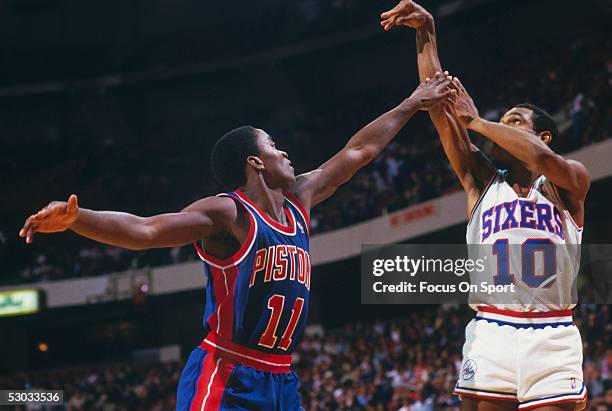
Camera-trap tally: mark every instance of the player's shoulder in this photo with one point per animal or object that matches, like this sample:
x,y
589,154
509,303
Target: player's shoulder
x,y
303,189
222,208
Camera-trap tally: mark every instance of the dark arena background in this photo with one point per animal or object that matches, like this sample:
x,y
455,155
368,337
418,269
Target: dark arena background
x,y
121,102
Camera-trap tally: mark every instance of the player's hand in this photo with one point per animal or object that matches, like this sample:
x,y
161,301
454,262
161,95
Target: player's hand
x,y
464,109
433,91
57,216
406,13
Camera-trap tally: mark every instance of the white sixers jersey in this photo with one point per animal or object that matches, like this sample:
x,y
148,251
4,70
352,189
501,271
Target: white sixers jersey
x,y
531,242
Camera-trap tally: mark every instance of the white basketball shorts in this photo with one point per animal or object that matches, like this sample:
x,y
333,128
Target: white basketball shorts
x,y
533,359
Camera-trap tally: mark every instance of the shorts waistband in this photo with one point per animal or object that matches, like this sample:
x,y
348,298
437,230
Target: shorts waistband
x,y
532,318
213,343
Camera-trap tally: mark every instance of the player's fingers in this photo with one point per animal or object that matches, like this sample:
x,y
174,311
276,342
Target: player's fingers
x,y
411,20
45,212
24,229
72,204
460,85
393,12
452,84
30,234
436,79
26,226
389,23
406,20
441,80
447,93
385,24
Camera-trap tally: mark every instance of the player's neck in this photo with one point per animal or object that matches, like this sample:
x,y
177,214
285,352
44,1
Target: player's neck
x,y
268,200
520,178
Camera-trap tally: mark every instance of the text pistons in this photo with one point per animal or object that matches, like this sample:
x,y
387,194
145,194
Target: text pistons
x,y
280,262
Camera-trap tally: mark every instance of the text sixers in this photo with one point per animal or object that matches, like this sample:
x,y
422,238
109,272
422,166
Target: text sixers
x,y
521,214
280,262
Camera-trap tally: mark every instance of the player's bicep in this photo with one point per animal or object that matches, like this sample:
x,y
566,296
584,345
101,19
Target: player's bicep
x,y
197,221
569,175
318,185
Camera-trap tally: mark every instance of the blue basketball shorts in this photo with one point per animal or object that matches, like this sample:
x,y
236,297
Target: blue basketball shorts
x,y
219,380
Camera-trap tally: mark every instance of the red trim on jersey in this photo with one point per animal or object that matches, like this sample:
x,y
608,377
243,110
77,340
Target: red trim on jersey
x,y
529,314
211,383
480,198
578,227
293,199
288,229
226,308
213,343
555,402
238,255
220,293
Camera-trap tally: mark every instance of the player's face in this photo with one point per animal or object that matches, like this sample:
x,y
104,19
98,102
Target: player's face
x,y
515,117
278,171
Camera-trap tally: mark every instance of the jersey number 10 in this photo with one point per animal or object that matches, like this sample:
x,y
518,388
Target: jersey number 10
x,y
501,249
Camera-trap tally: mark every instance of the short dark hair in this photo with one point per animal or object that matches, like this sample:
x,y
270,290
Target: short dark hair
x,y
229,154
542,121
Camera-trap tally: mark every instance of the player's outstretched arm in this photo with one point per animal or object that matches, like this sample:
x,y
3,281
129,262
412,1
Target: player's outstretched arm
x,y
197,221
315,186
529,148
471,167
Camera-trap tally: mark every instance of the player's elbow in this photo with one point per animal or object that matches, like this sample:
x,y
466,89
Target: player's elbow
x,y
363,155
146,236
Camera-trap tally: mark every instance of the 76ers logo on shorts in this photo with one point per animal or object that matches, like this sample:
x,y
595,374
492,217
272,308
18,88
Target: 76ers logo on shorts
x,y
469,369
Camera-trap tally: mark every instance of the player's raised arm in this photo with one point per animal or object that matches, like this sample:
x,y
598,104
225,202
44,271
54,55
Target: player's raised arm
x,y
197,221
469,164
317,185
529,148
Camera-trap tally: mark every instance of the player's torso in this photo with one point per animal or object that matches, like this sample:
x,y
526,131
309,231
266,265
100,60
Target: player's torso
x,y
531,242
259,298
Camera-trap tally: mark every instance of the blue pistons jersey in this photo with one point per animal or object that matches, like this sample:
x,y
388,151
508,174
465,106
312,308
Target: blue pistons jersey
x,y
258,298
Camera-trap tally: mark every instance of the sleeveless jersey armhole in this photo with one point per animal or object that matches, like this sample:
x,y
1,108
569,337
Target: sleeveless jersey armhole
x,y
244,249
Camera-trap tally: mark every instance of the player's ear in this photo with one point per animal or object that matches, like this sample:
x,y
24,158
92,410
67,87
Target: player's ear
x,y
546,136
256,163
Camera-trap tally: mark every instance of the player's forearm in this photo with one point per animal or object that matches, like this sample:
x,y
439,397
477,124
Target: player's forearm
x,y
526,147
114,228
454,138
374,137
427,51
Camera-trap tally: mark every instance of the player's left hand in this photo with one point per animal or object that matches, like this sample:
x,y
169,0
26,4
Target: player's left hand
x,y
433,91
464,108
406,13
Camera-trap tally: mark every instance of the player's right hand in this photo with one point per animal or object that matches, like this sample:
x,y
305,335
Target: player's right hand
x,y
57,216
433,91
406,13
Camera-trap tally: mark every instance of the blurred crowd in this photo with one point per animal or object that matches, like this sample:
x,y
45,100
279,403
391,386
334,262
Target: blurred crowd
x,y
572,82
407,364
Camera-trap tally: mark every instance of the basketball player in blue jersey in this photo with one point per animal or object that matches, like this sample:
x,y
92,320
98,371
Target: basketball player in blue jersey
x,y
253,240
522,355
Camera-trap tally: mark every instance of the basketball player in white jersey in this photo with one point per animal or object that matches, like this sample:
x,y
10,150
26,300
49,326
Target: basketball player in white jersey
x,y
526,354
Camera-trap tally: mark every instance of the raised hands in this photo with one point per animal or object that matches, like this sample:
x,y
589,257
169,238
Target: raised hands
x,y
462,106
57,216
433,91
406,13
